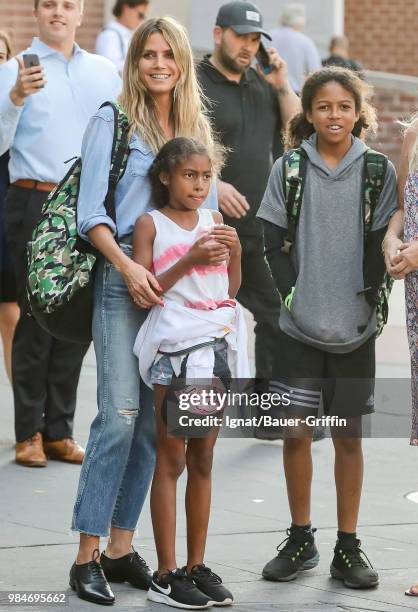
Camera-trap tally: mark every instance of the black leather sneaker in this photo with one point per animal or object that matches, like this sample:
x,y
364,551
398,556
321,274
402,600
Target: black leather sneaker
x,y
350,566
89,582
299,553
130,568
210,584
177,589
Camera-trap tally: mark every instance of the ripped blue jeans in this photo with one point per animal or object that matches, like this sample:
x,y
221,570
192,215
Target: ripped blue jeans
x,y
120,453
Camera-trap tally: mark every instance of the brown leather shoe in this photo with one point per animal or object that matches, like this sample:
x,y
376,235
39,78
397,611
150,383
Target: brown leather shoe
x,y
64,450
30,452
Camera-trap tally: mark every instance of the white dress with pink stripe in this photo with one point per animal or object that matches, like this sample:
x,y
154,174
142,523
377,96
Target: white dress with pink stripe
x,y
203,287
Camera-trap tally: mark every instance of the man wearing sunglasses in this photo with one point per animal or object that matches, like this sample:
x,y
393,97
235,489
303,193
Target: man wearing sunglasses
x,y
113,41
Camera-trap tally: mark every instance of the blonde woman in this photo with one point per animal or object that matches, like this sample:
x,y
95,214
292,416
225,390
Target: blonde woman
x,y
162,100
9,310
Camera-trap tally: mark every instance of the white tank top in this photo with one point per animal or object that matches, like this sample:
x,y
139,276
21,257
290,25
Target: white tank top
x,y
203,287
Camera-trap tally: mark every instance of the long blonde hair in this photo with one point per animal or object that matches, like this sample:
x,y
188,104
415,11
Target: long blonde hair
x,y
412,124
188,115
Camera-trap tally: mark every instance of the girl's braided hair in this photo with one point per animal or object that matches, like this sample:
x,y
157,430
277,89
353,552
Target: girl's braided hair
x,y
299,127
173,153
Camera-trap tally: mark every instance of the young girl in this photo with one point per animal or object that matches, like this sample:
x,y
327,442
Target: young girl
x,y
328,322
402,259
196,261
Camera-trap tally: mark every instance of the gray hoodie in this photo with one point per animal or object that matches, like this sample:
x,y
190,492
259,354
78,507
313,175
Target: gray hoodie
x,y
327,311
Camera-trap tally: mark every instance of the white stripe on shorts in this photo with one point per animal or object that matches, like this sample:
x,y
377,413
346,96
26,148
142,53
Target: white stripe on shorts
x,y
307,398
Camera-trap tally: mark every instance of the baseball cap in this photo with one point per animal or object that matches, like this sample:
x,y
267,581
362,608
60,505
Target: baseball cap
x,y
242,17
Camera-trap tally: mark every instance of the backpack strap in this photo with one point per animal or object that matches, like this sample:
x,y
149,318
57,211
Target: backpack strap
x,y
294,173
377,283
119,157
374,173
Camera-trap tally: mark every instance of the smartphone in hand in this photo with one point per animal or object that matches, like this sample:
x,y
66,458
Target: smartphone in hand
x,y
263,59
30,60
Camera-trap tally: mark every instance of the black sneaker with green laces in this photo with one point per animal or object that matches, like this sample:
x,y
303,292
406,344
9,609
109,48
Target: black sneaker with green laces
x,y
298,554
349,565
211,585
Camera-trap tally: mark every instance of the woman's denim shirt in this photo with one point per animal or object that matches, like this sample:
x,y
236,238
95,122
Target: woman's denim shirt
x,y
133,192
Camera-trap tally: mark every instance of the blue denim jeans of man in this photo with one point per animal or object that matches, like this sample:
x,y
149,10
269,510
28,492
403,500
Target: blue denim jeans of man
x,y
120,453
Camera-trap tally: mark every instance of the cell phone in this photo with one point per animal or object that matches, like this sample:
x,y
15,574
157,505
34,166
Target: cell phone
x,y
263,59
30,60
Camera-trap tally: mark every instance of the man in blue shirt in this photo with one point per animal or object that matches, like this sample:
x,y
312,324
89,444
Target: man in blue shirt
x,y
44,111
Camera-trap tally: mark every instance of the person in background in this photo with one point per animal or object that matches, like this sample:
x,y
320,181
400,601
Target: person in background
x,y
9,310
44,111
248,108
297,50
339,55
113,41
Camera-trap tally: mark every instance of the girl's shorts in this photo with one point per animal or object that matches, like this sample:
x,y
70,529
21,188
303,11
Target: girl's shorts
x,y
162,371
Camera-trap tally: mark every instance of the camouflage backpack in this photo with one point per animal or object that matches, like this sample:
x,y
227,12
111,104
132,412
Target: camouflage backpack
x,y
60,264
374,171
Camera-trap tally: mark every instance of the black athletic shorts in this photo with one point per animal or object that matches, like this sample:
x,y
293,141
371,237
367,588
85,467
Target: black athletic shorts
x,y
344,381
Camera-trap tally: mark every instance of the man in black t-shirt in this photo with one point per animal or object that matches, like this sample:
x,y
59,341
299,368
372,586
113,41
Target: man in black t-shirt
x,y
248,108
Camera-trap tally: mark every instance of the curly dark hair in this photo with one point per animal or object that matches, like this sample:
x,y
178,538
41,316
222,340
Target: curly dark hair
x,y
173,153
299,127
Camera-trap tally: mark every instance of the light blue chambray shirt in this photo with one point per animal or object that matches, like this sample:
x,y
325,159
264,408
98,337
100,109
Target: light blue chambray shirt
x,y
48,129
133,192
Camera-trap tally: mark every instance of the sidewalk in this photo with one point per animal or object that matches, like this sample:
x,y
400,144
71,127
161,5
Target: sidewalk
x,y
249,515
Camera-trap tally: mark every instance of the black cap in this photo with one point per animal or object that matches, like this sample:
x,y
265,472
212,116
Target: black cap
x,y
242,17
